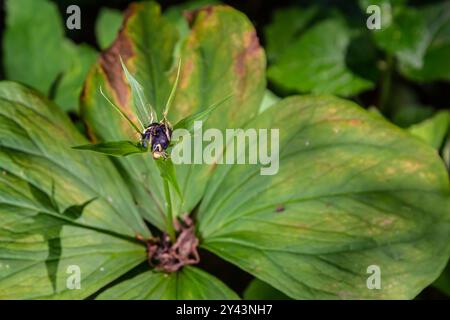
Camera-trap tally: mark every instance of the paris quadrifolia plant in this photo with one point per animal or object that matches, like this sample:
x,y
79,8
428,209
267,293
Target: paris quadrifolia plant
x,y
154,136
357,209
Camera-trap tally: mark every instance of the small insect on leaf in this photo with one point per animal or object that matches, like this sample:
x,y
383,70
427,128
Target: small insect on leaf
x,y
167,171
188,122
144,110
114,148
121,112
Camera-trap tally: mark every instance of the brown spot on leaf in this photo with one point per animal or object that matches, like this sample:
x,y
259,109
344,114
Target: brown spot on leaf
x,y
386,222
191,15
212,167
251,48
110,59
168,257
280,208
354,122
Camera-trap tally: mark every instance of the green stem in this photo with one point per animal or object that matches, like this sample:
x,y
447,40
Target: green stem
x,y
386,83
169,222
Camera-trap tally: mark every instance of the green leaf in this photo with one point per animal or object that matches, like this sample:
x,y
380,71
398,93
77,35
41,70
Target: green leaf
x,y
434,130
107,26
352,191
115,148
188,284
221,56
58,207
259,290
434,45
285,28
69,87
25,58
29,25
402,33
316,62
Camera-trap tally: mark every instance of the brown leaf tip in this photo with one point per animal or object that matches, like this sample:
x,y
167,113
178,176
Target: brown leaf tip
x,y
191,15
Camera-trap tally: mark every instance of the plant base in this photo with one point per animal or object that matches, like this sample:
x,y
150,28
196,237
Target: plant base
x,y
169,257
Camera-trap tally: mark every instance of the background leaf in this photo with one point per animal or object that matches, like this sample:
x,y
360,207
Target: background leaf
x,y
285,27
27,60
402,33
69,86
316,62
435,45
107,26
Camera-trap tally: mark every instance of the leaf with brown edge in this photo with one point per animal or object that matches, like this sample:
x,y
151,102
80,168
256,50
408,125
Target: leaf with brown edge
x,y
221,56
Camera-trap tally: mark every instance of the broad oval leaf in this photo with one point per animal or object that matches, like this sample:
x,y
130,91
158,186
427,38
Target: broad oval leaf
x,y
286,25
188,284
58,207
352,191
